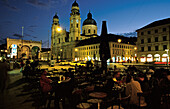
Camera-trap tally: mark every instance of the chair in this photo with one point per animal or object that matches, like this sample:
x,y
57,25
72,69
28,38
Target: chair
x,y
140,94
123,103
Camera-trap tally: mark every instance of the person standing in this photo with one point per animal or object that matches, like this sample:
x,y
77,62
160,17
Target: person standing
x,y
132,88
3,75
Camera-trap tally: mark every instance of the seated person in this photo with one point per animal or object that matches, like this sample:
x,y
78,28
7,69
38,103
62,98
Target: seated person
x,y
116,78
132,88
45,83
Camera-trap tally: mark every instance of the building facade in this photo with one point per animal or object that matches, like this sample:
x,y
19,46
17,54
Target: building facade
x,y
17,48
153,41
75,46
122,49
62,42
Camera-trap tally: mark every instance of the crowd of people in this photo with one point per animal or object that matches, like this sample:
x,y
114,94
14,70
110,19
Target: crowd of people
x,y
152,84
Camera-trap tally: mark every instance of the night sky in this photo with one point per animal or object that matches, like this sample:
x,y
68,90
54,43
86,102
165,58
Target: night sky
x,y
122,16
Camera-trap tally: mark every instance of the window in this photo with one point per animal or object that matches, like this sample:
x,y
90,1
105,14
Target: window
x,y
164,29
77,25
156,31
76,38
149,32
142,41
113,51
96,47
113,45
156,39
156,48
117,46
142,48
164,38
149,48
142,33
84,32
94,31
71,39
149,40
58,40
89,31
164,47
71,25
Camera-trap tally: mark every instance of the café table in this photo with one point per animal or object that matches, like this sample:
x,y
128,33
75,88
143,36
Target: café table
x,y
98,95
83,105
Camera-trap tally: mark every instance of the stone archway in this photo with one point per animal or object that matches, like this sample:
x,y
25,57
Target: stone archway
x,y
25,51
35,52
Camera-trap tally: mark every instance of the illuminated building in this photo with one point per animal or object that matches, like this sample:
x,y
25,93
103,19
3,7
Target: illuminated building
x,y
45,54
17,48
75,46
120,51
153,41
63,42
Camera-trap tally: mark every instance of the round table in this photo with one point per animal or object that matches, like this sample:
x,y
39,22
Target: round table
x,y
98,95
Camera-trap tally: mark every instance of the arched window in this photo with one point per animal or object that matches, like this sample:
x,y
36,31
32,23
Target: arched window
x,y
89,31
94,31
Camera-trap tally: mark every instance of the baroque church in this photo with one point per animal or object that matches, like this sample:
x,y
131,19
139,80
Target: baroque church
x,y
75,46
62,42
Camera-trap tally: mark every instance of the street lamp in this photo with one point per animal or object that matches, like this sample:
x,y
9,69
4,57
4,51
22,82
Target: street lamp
x,y
58,29
167,50
135,54
119,41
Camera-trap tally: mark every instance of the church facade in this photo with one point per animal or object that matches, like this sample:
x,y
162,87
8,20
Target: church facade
x,y
75,46
62,42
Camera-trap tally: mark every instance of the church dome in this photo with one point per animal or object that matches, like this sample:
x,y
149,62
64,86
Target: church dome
x,y
89,20
75,4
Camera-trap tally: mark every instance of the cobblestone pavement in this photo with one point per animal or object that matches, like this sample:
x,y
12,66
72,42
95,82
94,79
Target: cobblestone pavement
x,y
11,98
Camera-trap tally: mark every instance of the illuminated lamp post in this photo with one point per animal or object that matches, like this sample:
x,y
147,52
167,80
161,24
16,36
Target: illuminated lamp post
x,y
119,41
135,54
167,50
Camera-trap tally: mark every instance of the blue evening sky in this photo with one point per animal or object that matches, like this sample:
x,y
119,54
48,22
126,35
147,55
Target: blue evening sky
x,y
122,16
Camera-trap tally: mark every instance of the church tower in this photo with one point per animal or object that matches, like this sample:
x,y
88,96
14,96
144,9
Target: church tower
x,y
54,33
75,23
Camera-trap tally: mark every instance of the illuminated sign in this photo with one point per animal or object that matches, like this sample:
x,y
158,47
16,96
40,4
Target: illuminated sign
x,y
14,50
14,46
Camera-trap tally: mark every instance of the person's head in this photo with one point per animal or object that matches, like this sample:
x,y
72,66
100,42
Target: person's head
x,y
168,75
115,66
44,72
116,74
128,78
141,76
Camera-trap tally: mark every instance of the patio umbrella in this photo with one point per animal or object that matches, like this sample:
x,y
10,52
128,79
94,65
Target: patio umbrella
x,y
104,47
